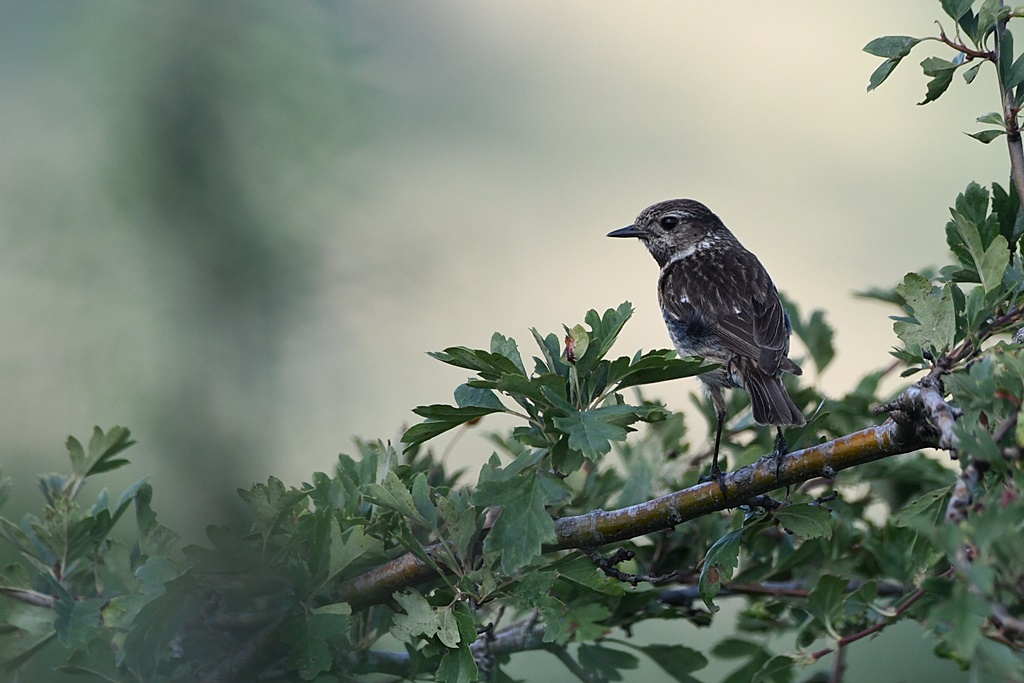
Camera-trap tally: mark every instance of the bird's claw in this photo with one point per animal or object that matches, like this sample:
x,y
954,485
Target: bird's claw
x,y
718,476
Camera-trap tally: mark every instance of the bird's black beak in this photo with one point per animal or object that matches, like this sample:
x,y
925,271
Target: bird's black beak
x,y
628,231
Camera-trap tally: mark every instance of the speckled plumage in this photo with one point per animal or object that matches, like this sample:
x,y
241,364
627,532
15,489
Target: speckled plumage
x,y
719,302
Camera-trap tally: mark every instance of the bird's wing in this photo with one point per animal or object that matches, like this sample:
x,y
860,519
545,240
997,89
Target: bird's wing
x,y
732,291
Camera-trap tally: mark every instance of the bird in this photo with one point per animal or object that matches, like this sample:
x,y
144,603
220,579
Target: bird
x,y
719,303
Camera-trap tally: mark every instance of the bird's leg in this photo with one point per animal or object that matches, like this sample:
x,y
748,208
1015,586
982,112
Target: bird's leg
x,y
716,471
781,448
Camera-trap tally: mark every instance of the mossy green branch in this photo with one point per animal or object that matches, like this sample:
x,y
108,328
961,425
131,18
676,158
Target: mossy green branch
x,y
601,527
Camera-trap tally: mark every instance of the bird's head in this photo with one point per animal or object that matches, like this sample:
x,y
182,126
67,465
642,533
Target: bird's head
x,y
674,227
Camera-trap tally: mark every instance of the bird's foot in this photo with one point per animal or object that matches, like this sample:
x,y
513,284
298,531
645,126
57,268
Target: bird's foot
x,y
716,475
781,449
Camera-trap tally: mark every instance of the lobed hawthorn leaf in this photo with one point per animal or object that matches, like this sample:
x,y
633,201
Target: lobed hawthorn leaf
x,y
507,347
457,666
524,524
592,431
488,365
941,71
441,418
935,316
1006,205
604,663
653,367
805,520
315,641
605,329
991,261
469,396
678,661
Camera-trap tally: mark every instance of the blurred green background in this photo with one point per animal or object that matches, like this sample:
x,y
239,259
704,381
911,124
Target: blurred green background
x,y
235,227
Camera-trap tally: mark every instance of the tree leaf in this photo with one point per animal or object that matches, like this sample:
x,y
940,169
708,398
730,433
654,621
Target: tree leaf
x,y
891,46
826,600
941,71
935,316
507,347
721,560
956,8
592,431
805,520
678,661
987,136
882,72
524,524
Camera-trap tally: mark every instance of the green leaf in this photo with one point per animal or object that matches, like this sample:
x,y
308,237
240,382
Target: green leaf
x,y
489,365
990,262
314,642
881,73
421,498
721,560
441,418
78,621
971,74
956,8
925,511
590,431
987,136
524,524
816,335
506,346
467,396
604,664
654,367
941,71
805,520
826,601
891,46
457,666
577,341
935,316
994,118
678,661
778,668
392,494
349,545
420,619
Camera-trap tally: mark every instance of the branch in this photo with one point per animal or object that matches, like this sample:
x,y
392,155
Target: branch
x,y
600,527
684,595
1010,111
926,397
879,625
29,596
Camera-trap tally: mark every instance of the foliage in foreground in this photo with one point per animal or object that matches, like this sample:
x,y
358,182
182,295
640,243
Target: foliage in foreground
x,y
395,565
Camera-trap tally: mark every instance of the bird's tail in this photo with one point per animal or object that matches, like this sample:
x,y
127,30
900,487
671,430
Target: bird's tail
x,y
769,400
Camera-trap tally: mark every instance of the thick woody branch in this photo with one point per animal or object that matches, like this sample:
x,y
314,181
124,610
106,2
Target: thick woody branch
x,y
927,397
601,527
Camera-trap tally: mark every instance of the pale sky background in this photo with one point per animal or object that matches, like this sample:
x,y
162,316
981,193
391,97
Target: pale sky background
x,y
419,175
236,228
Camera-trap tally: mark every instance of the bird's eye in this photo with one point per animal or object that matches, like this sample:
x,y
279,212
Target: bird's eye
x,y
668,222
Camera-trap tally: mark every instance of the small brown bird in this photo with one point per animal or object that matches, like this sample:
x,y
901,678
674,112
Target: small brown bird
x,y
719,302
